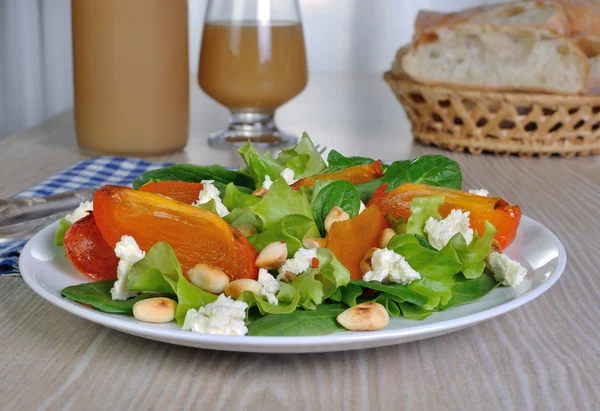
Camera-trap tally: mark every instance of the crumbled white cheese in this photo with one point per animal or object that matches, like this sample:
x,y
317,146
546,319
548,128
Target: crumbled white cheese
x,y
362,208
439,232
224,316
480,192
268,182
288,175
129,253
210,192
390,267
507,270
299,263
270,286
80,212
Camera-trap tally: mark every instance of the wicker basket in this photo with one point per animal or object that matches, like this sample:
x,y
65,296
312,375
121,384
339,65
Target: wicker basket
x,y
526,124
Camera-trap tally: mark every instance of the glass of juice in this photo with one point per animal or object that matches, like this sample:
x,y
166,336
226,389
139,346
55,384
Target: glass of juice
x,y
252,60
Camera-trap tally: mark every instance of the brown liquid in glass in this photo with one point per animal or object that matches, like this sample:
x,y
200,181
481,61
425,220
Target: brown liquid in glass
x,y
253,66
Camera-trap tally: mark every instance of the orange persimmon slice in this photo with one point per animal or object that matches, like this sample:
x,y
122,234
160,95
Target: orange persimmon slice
x,y
196,236
87,250
502,215
177,190
351,239
356,175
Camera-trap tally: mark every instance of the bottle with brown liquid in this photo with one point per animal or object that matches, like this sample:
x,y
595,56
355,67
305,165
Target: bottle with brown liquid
x,y
131,75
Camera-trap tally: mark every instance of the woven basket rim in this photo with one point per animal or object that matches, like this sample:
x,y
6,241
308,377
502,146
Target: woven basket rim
x,y
548,98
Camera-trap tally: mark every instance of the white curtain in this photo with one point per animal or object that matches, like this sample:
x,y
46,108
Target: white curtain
x,y
35,62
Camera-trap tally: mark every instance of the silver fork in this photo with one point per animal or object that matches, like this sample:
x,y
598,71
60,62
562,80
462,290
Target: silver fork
x,y
21,217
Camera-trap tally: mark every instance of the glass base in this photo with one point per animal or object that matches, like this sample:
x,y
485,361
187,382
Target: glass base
x,y
258,128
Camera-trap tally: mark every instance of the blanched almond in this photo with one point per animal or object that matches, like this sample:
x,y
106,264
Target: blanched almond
x,y
247,229
365,263
155,310
369,316
208,278
314,242
235,288
386,236
335,215
272,256
289,277
259,192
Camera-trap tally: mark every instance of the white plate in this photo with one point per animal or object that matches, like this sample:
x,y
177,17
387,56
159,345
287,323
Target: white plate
x,y
47,271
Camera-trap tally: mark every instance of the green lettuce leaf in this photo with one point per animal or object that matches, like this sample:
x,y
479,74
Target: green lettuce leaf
x,y
337,161
291,229
288,301
436,268
279,202
412,312
321,321
211,206
304,158
259,165
433,170
97,294
195,174
239,216
318,284
421,208
234,198
328,194
399,291
144,276
59,234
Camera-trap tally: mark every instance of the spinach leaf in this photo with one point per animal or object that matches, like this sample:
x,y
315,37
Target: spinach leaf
x,y
396,290
195,174
337,161
412,312
61,230
321,321
328,194
465,291
97,294
433,170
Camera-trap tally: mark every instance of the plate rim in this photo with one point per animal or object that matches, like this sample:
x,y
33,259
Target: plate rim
x,y
287,344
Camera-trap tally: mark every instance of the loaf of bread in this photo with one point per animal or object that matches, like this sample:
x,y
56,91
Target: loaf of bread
x,y
542,46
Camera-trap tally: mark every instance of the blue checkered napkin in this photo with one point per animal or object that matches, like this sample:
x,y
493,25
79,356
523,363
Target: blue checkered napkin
x,y
93,172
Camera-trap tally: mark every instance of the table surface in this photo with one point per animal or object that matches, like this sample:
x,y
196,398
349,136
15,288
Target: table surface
x,y
544,355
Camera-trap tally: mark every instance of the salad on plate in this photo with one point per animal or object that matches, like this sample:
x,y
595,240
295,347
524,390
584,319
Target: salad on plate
x,y
290,245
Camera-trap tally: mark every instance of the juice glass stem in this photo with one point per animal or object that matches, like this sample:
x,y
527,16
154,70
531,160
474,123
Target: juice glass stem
x,y
255,126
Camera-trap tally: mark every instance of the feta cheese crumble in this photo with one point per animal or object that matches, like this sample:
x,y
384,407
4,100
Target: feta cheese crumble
x,y
80,212
270,286
362,208
129,253
288,175
268,182
480,192
224,316
390,267
210,192
299,263
439,232
507,270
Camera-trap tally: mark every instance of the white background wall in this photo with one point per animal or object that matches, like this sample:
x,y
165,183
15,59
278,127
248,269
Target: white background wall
x,y
341,35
